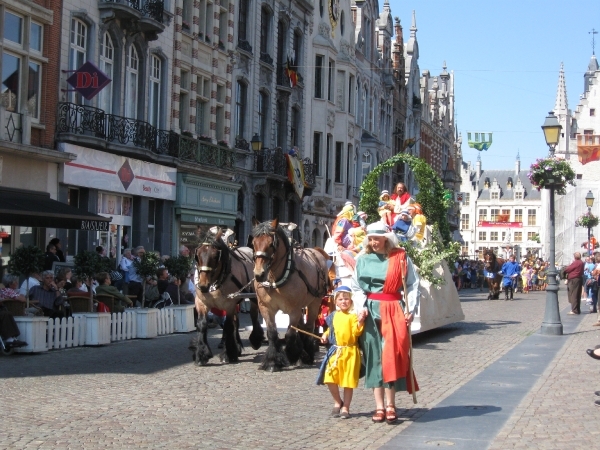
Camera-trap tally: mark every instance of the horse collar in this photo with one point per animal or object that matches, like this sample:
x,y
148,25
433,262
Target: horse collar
x,y
288,266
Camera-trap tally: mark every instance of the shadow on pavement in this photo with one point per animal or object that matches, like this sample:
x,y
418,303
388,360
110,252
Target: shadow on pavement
x,y
445,333
456,411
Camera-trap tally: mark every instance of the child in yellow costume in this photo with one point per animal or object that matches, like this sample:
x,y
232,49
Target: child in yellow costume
x,y
419,221
341,366
386,208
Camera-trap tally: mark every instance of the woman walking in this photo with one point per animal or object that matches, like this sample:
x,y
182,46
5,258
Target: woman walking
x,y
383,274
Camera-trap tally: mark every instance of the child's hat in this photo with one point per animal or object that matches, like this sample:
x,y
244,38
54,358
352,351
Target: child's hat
x,y
340,289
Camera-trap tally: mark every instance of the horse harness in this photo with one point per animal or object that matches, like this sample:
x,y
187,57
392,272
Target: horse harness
x,y
225,268
290,267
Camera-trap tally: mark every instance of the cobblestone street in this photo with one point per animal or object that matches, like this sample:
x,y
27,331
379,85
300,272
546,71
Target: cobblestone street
x,y
148,394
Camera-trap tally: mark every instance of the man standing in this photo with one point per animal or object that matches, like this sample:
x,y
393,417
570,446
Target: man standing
x,y
575,282
135,280
510,271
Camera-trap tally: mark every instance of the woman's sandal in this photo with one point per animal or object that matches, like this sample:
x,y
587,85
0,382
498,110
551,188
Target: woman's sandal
x,y
390,414
379,416
335,412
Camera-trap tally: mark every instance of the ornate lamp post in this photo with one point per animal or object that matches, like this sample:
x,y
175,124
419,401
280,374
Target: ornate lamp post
x,y
551,324
256,142
589,202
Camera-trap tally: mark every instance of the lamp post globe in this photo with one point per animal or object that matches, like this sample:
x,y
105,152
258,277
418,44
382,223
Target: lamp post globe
x,y
552,324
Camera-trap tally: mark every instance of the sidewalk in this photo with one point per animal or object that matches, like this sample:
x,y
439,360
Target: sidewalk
x,y
532,397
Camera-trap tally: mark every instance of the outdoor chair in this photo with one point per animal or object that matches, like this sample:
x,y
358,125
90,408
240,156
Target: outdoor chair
x,y
108,300
15,307
79,304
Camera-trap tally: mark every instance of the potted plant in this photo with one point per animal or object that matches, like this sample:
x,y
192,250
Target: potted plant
x,y
146,317
551,172
179,267
204,138
86,265
223,143
587,220
23,262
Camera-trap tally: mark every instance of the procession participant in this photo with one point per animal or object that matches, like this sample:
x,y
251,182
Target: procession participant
x,y
341,226
419,221
510,271
382,273
386,208
341,366
403,226
401,197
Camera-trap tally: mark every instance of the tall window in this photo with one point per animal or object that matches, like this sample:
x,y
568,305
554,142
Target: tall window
x,y
184,101
282,117
243,21
531,217
328,164
78,51
330,88
295,127
505,215
348,166
154,91
494,213
265,30
341,84
493,235
482,236
464,222
351,94
282,40
518,215
483,214
34,89
339,157
531,235
365,165
131,87
220,112
317,153
319,76
11,81
203,105
186,15
208,21
223,23
107,56
263,111
518,236
467,199
297,48
240,109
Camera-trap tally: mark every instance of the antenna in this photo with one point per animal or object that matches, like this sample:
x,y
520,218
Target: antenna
x,y
593,32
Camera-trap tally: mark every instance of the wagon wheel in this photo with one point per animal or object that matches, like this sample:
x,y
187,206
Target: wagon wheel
x,y
7,351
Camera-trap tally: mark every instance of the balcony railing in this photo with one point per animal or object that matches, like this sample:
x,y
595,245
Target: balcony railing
x,y
270,161
89,121
309,171
203,152
148,8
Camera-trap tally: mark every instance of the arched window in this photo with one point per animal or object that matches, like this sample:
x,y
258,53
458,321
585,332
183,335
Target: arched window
x,y
314,238
107,56
78,51
132,83
154,92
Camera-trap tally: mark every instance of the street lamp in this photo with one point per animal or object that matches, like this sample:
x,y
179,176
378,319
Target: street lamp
x,y
551,324
256,142
589,201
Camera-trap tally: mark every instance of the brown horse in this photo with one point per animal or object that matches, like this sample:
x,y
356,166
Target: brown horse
x,y
493,265
222,271
287,279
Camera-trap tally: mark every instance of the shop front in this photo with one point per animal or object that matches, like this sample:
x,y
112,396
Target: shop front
x,y
202,204
137,195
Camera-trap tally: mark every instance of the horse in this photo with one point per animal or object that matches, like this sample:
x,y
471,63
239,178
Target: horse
x,y
287,279
493,265
223,271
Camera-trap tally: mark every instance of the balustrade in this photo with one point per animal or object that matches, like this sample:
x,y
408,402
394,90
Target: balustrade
x,y
148,8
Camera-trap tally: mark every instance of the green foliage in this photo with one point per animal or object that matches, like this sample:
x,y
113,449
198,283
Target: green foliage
x,y
553,171
179,266
430,196
587,220
425,259
108,264
26,260
87,264
147,265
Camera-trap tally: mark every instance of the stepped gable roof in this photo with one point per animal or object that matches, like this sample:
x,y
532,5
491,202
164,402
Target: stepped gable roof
x,y
502,176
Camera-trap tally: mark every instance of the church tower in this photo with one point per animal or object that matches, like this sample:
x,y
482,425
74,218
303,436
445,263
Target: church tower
x,y
562,112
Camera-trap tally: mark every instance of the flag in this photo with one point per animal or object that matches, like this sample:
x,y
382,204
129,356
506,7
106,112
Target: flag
x,y
296,174
290,72
588,153
409,143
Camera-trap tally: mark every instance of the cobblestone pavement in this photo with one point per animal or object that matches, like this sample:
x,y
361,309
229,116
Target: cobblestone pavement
x,y
148,394
559,411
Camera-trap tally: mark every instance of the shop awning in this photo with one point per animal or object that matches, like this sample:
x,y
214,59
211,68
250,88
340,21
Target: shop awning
x,y
36,209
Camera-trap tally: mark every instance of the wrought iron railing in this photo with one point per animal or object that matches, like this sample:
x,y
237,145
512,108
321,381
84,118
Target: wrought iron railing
x,y
90,121
309,171
243,44
149,8
266,58
203,152
270,161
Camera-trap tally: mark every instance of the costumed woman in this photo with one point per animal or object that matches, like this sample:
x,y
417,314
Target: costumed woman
x,y
342,224
382,274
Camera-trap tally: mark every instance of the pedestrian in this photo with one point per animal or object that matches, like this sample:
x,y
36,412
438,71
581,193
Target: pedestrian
x,y
574,274
382,273
510,271
50,257
341,366
58,246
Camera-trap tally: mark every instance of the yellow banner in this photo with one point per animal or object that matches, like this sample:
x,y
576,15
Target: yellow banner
x,y
296,174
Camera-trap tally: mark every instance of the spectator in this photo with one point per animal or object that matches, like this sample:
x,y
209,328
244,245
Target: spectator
x,y
574,274
101,251
67,274
135,280
10,289
77,288
184,251
48,296
34,280
50,257
58,246
9,331
105,288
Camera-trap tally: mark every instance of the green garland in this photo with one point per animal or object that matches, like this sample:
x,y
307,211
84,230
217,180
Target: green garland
x,y
435,201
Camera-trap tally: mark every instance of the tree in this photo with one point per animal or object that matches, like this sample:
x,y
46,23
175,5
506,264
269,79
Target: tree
x,y
146,267
86,265
25,261
179,266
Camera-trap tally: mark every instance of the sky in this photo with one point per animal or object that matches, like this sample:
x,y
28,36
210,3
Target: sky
x,y
506,57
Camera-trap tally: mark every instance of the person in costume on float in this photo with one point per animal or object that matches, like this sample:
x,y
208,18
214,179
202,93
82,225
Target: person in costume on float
x,y
342,224
341,366
401,198
383,273
358,231
386,208
419,221
403,226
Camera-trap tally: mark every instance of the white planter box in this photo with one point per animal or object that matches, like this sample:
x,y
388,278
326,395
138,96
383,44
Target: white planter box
x,y
33,331
282,321
184,318
96,328
146,323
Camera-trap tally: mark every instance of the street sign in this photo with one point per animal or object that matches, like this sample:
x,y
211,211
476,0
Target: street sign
x,y
88,80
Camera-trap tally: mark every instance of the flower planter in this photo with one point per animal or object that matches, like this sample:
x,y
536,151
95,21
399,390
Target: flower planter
x,y
33,331
96,328
146,323
184,318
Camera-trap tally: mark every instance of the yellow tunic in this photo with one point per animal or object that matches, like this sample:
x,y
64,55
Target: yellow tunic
x,y
343,368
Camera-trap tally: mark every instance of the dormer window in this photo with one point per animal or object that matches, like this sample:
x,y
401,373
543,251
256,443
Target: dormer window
x,y
509,183
519,195
495,195
486,182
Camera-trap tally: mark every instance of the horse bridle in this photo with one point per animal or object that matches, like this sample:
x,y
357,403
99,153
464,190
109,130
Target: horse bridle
x,y
289,260
225,268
